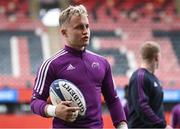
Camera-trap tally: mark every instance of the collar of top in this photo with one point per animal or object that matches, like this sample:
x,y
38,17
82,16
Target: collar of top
x,y
74,51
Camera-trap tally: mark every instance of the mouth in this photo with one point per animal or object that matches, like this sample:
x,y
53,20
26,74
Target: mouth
x,y
86,38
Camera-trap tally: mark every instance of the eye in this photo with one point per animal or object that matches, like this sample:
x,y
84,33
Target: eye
x,y
82,26
87,26
79,27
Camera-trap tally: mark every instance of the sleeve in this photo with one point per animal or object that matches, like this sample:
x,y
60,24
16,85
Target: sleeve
x,y
40,94
111,98
140,101
174,118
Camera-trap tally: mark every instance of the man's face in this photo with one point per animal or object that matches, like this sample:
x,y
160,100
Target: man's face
x,y
77,32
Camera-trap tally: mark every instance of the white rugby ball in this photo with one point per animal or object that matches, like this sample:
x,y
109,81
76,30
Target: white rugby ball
x,y
63,90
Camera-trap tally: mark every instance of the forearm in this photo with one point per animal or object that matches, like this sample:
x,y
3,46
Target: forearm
x,y
149,116
140,100
38,107
116,112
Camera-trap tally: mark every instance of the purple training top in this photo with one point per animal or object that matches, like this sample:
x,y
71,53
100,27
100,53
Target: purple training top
x,y
176,116
91,73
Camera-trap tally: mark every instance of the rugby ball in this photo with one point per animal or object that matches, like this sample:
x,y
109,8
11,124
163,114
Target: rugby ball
x,y
64,90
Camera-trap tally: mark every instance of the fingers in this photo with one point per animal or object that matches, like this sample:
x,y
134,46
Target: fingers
x,y
72,116
71,119
67,103
75,114
66,112
73,109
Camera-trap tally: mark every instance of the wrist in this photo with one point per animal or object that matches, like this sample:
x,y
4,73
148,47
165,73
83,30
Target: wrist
x,y
51,110
122,125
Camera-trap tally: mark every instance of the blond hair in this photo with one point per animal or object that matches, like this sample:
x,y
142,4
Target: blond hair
x,y
149,50
66,14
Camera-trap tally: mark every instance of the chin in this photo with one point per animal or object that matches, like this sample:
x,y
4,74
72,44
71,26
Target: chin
x,y
86,44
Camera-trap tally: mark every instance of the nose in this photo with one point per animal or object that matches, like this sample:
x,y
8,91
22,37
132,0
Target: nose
x,y
85,31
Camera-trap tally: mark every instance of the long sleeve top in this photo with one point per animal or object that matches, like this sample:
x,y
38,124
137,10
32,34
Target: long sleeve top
x,y
145,101
176,116
91,73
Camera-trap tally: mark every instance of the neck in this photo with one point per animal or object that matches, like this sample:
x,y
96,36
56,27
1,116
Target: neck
x,y
148,66
76,48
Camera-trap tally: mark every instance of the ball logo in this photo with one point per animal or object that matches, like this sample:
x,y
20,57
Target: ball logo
x,y
74,96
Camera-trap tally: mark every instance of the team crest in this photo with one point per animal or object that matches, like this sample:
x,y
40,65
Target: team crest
x,y
95,65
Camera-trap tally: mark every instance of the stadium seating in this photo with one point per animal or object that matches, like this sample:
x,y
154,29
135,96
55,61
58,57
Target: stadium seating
x,y
20,60
142,30
5,56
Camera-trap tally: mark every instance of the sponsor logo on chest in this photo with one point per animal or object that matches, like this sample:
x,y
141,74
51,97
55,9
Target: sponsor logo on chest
x,y
70,67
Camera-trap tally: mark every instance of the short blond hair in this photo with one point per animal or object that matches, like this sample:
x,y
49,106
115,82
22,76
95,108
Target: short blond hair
x,y
149,49
66,14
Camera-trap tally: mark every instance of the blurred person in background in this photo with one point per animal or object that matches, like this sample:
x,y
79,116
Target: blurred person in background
x,y
125,101
90,72
176,116
145,96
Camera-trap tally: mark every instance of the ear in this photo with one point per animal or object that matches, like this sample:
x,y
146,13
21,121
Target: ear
x,y
63,32
156,57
